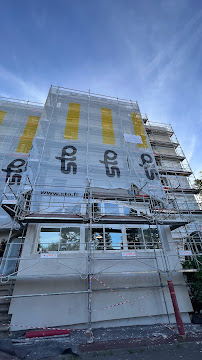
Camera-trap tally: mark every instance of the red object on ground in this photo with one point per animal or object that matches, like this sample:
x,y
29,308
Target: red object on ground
x,y
176,308
43,333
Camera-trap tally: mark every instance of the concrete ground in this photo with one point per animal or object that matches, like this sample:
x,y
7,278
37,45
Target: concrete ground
x,y
135,342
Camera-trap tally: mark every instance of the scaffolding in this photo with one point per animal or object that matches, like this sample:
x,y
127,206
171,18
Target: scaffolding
x,y
17,130
97,207
149,257
180,186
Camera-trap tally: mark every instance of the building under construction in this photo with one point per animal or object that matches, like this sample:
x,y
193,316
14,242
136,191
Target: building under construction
x,y
98,211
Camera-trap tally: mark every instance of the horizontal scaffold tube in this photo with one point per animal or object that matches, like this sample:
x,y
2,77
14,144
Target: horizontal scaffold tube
x,y
87,291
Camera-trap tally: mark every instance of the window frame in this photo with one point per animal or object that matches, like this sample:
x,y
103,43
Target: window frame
x,y
104,227
82,243
145,247
103,203
49,226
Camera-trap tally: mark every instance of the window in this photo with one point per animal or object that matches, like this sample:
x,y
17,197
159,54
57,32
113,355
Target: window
x,y
97,239
105,239
113,239
129,211
135,238
146,238
194,242
70,239
111,209
49,239
151,237
96,209
56,239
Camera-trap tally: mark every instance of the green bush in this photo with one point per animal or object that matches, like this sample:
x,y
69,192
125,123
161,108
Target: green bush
x,y
194,281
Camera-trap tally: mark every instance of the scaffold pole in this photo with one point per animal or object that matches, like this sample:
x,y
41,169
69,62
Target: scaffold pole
x,y
176,309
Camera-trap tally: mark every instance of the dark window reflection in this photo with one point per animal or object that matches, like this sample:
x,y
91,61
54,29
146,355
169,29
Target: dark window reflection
x,y
96,209
134,239
70,239
151,237
97,239
129,212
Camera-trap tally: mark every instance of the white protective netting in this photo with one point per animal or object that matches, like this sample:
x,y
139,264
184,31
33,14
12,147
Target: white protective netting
x,y
15,143
85,139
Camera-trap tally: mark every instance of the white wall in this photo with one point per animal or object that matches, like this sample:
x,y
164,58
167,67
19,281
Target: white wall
x,y
38,275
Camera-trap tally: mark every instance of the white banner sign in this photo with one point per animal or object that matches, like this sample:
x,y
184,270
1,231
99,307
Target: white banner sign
x,y
128,254
135,139
89,140
185,252
48,256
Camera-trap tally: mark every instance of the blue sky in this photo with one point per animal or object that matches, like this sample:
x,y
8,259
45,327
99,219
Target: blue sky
x,y
148,50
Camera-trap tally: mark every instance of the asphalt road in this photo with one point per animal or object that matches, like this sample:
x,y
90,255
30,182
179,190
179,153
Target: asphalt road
x,y
4,356
179,351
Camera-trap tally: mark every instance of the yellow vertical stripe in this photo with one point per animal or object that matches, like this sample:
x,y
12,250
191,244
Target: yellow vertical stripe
x,y
72,122
139,130
2,114
107,127
28,135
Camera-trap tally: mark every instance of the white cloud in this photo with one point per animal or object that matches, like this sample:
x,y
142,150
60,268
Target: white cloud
x,y
20,88
174,51
191,149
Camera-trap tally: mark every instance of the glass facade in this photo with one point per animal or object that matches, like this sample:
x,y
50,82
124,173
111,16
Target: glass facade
x,y
104,238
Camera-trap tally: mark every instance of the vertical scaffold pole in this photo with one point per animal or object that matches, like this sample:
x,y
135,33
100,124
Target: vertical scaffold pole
x,y
176,309
89,266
